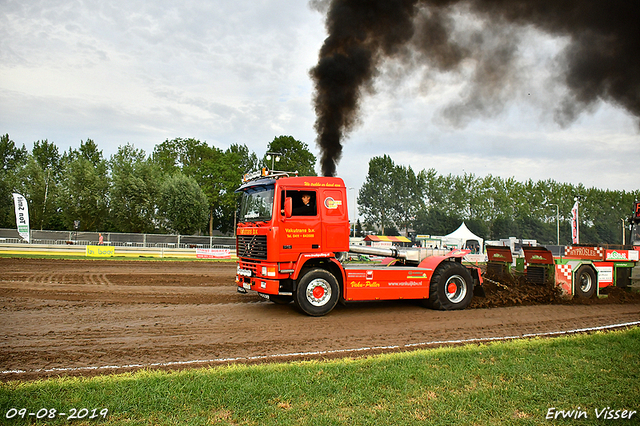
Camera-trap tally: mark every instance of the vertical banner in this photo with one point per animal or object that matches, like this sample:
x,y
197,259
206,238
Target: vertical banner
x,y
22,216
575,227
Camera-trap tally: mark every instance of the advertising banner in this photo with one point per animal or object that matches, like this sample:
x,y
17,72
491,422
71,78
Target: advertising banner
x,y
22,216
622,255
213,253
591,253
100,251
575,230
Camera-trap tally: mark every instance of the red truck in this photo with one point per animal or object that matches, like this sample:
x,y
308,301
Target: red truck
x,y
293,240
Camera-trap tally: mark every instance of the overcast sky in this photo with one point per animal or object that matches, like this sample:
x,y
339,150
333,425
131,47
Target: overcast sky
x,y
238,72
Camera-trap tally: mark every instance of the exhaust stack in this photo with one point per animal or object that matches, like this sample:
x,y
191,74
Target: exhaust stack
x,y
413,255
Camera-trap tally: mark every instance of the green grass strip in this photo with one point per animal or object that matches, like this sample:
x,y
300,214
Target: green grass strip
x,y
504,383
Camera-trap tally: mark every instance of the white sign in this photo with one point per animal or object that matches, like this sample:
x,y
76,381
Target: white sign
x,y
605,274
213,253
22,216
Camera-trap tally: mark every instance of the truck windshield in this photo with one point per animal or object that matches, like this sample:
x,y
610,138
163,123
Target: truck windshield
x,y
257,203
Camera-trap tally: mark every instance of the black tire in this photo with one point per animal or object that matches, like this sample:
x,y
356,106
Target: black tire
x,y
280,300
317,292
451,287
585,284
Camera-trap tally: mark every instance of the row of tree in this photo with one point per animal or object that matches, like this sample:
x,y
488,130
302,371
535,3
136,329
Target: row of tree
x,y
184,186
187,186
395,198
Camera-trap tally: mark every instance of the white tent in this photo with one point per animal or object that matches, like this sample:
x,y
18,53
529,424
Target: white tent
x,y
462,237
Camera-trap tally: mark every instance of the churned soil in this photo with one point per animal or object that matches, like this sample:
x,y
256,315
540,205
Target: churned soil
x,y
87,317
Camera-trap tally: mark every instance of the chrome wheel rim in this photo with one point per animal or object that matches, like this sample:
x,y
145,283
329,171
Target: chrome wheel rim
x,y
585,282
455,289
318,292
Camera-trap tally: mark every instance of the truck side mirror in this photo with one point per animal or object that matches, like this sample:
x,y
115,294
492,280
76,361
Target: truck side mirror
x,y
288,207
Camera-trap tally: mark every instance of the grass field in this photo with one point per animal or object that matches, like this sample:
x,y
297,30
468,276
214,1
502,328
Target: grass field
x,y
514,382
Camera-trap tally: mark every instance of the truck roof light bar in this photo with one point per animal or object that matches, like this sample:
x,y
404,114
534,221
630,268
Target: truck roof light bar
x,y
265,172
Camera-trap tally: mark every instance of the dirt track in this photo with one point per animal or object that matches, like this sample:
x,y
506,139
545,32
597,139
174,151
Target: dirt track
x,y
62,317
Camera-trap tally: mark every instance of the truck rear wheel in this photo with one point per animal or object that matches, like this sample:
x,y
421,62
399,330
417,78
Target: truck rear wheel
x,y
451,287
585,285
317,292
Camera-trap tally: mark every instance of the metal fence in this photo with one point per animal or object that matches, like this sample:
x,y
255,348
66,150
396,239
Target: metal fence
x,y
11,236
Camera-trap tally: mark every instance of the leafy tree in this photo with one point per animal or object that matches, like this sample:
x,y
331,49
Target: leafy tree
x,y
134,190
376,199
295,156
246,161
85,187
436,222
183,204
218,176
185,155
12,160
41,177
408,189
217,172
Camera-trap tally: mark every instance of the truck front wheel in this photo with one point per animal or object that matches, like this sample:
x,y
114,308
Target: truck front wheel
x,y
451,287
317,292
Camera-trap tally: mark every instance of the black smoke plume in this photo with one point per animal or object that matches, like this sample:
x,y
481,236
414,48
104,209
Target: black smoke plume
x,y
601,60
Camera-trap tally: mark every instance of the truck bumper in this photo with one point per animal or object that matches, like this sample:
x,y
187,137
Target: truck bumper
x,y
261,285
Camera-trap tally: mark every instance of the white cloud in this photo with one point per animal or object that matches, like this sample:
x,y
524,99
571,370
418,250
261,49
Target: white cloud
x,y
237,72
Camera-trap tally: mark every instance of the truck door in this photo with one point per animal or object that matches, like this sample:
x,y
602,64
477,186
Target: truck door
x,y
335,221
300,233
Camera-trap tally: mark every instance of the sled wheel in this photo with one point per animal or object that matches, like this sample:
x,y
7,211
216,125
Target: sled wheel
x,y
317,292
585,285
451,287
280,300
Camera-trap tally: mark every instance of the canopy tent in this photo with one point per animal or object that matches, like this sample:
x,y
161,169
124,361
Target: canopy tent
x,y
463,238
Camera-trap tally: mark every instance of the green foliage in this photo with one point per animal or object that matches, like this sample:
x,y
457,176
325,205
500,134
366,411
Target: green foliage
x,y
42,180
217,173
123,194
501,383
134,190
377,197
492,207
294,156
85,187
183,204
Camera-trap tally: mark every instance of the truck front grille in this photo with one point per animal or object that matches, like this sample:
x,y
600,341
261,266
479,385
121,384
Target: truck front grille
x,y
252,246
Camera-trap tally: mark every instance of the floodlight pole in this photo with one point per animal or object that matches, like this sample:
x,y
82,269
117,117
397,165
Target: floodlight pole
x,y
273,156
557,223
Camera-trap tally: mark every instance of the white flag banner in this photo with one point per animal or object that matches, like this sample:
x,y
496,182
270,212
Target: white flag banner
x,y
22,216
575,227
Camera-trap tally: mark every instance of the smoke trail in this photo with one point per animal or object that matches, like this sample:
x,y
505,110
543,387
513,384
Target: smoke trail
x,y
361,33
600,63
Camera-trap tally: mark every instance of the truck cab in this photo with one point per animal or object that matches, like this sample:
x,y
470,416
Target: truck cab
x,y
278,234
